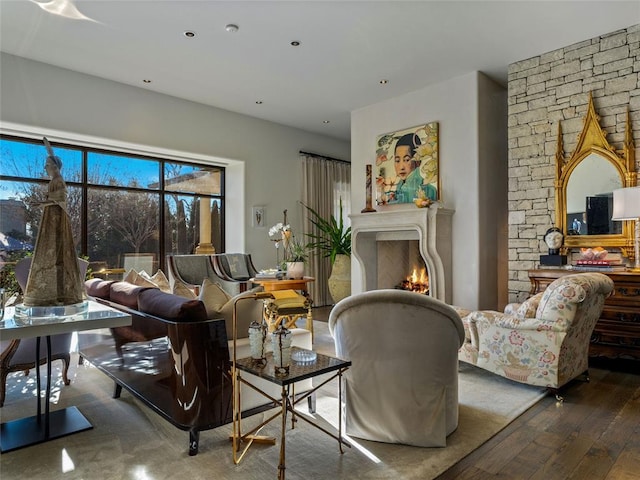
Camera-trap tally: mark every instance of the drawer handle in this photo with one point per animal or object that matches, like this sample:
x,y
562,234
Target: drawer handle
x,y
633,317
627,293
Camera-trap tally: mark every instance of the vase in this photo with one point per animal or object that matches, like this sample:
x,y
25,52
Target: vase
x,y
340,279
295,270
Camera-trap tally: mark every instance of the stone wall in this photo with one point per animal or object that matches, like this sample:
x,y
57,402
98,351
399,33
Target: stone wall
x,y
552,88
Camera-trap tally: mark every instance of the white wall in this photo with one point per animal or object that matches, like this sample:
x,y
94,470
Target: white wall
x,y
455,105
74,105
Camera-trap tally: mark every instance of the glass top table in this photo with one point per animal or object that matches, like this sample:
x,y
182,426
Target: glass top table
x,y
37,429
323,364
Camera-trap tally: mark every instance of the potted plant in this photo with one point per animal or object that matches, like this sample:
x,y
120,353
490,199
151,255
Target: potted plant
x,y
296,255
333,240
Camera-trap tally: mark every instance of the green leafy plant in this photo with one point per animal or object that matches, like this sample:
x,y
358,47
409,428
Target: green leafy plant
x,y
332,238
297,251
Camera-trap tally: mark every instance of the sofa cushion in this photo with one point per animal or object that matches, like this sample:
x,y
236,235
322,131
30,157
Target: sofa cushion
x,y
98,288
126,294
171,307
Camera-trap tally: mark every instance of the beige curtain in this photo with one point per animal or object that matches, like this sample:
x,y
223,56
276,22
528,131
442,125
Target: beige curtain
x,y
325,181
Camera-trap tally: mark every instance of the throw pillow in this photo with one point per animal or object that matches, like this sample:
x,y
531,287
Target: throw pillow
x,y
135,278
182,290
219,305
246,310
528,308
159,279
213,297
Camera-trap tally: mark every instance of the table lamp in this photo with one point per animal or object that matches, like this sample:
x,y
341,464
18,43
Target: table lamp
x,y
626,206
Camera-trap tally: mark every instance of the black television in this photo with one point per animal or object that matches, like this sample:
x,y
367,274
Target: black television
x,y
599,210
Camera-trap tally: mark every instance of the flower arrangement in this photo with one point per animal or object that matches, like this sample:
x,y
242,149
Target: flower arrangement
x,y
421,199
293,250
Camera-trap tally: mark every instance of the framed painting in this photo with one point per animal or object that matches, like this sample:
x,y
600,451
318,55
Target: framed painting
x,y
258,216
407,165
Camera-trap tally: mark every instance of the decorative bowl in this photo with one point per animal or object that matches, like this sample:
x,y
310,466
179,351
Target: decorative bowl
x,y
597,253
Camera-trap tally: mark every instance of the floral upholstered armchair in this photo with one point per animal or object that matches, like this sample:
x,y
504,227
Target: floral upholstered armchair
x,y
543,341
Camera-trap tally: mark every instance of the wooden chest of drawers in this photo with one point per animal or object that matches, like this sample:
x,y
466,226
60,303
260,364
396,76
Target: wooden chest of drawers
x,y
617,333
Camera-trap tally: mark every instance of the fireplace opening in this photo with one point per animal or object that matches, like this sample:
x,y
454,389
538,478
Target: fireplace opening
x,y
401,266
417,282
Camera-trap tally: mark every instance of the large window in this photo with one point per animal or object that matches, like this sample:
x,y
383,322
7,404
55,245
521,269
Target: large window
x,y
127,211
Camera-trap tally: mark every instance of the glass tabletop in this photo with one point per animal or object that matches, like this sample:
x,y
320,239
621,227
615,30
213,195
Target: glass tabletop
x,y
297,370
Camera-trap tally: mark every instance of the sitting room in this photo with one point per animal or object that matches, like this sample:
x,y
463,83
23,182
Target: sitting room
x,y
457,180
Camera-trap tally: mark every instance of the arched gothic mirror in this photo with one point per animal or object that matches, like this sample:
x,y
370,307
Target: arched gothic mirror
x,y
585,183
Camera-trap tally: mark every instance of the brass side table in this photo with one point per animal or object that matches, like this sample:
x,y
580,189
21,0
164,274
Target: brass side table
x,y
297,372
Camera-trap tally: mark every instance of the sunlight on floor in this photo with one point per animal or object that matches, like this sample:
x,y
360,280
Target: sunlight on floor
x,y
140,473
326,409
67,463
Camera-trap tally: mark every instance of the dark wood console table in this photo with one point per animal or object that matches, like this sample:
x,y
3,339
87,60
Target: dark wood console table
x,y
617,333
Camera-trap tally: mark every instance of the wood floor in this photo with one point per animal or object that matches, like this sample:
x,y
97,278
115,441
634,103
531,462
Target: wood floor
x,y
593,435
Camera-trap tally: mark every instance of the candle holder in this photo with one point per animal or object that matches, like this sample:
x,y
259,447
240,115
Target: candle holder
x,y
281,339
257,338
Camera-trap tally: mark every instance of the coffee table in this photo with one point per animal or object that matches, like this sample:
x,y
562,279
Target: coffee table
x,y
297,371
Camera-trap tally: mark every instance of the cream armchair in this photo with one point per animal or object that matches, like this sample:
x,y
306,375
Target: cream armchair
x,y
543,341
403,385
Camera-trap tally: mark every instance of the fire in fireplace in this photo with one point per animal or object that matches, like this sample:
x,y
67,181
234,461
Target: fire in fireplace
x,y
416,282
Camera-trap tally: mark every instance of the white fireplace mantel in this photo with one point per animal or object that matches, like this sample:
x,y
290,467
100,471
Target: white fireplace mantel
x,y
430,226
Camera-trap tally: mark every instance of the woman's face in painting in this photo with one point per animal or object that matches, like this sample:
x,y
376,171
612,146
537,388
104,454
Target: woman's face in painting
x,y
402,161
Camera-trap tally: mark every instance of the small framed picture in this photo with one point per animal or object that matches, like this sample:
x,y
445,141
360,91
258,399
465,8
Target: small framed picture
x,y
258,219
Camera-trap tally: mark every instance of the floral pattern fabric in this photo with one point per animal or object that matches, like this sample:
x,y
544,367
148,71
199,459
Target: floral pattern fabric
x,y
547,349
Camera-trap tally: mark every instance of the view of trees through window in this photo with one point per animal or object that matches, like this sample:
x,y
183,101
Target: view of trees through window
x,y
127,211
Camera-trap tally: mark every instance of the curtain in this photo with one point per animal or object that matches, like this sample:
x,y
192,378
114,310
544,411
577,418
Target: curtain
x,y
326,182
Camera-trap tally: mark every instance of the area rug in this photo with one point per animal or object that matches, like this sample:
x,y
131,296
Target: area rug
x,y
129,441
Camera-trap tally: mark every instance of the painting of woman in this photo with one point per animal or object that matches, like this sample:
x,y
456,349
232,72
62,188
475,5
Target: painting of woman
x,y
412,156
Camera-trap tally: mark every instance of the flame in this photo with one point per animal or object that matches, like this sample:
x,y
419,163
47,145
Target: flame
x,y
417,281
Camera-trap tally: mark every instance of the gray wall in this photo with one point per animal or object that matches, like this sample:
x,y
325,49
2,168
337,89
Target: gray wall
x,y
262,157
470,110
543,91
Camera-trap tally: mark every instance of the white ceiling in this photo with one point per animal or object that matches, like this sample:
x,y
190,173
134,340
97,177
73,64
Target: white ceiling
x,y
346,47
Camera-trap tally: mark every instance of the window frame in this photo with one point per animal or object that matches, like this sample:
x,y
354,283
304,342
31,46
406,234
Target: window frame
x,y
86,186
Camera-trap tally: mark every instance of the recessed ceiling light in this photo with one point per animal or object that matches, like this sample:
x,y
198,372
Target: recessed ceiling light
x,y
146,80
258,102
384,81
189,34
231,28
295,43
325,121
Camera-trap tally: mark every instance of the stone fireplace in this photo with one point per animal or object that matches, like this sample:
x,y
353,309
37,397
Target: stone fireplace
x,y
388,245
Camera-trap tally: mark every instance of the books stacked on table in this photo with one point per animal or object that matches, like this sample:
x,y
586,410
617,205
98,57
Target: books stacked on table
x,y
599,266
270,273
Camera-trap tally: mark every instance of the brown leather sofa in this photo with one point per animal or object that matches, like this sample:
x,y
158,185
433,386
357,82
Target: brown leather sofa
x,y
173,358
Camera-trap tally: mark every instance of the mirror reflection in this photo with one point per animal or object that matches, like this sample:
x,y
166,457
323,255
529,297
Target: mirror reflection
x,y
590,197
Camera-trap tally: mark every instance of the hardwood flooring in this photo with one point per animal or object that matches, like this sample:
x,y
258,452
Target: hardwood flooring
x,y
593,435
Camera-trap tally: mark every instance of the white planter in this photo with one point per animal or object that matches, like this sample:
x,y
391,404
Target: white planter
x,y
295,270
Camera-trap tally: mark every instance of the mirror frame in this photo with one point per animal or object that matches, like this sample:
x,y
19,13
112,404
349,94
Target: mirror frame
x,y
592,139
